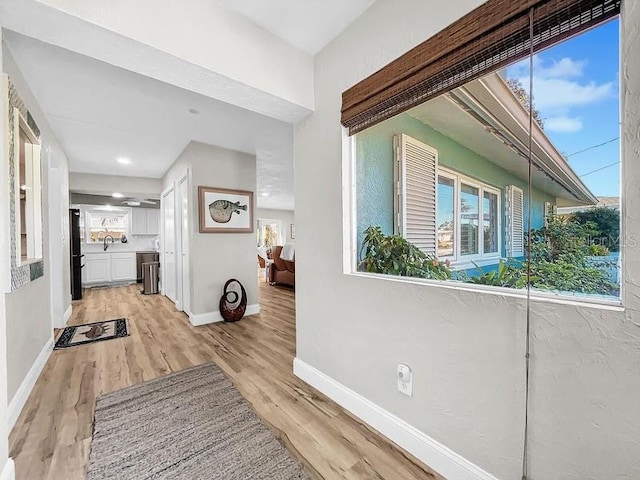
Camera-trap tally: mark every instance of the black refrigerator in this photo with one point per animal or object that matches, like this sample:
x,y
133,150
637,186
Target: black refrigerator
x,y
76,255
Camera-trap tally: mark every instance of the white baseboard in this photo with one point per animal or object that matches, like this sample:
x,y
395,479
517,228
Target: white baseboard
x,y
9,470
67,314
198,319
443,460
20,398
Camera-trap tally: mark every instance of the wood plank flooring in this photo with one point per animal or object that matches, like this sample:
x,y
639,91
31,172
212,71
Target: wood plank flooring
x,y
51,439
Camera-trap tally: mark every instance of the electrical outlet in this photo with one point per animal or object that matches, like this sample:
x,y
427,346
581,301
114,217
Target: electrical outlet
x,y
405,380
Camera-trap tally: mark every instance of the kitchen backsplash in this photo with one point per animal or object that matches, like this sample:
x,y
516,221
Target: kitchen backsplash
x,y
135,243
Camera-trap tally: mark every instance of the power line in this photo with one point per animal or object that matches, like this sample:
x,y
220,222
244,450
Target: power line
x,y
598,169
592,147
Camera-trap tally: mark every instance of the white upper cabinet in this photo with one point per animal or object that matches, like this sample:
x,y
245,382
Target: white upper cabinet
x,y
145,221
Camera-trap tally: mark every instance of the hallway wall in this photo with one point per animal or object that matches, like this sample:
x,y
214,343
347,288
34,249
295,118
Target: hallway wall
x,y
28,309
217,257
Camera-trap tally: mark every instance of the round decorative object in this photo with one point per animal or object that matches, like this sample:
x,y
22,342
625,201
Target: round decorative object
x,y
232,305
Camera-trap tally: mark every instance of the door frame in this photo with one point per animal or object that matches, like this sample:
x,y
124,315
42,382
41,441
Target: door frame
x,y
182,261
163,263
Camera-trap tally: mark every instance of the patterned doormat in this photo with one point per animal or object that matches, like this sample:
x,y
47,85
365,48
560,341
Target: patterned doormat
x,y
92,332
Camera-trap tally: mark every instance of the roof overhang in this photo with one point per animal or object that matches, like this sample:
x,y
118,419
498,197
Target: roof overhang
x,y
488,119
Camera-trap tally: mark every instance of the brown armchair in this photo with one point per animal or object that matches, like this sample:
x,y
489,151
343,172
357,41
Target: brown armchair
x,y
281,272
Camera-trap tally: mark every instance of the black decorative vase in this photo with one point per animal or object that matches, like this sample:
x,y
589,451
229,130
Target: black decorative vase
x,y
229,312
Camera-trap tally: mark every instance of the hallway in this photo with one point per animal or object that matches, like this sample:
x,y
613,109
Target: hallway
x,y
52,436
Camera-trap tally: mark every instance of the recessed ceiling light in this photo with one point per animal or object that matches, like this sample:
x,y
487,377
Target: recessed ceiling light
x,y
117,195
265,194
124,161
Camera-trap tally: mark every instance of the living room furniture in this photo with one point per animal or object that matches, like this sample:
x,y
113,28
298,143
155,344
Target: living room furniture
x,y
281,272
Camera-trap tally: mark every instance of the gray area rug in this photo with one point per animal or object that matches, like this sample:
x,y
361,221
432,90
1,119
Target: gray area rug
x,y
190,425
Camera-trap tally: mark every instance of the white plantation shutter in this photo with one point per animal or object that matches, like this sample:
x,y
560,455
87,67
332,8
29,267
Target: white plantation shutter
x,y
415,200
515,221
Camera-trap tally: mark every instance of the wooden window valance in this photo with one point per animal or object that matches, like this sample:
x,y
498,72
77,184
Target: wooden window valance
x,y
493,35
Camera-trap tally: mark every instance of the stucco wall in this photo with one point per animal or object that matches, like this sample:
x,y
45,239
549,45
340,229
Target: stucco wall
x,y
466,347
374,174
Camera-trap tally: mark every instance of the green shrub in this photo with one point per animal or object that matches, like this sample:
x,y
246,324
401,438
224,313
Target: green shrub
x,y
598,251
569,277
559,260
511,275
606,222
394,255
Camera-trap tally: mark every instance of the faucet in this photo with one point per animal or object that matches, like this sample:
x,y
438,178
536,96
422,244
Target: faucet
x,y
106,245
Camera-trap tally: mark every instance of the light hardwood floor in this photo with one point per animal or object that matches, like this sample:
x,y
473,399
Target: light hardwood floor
x,y
51,439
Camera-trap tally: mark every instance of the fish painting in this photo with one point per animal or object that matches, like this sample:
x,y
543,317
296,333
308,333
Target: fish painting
x,y
222,210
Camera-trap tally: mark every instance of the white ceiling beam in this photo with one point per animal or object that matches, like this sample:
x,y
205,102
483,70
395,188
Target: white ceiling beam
x,y
196,45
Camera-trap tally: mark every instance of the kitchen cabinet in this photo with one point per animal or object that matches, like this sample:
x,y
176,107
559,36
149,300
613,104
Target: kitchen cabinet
x,y
104,268
145,221
123,267
97,268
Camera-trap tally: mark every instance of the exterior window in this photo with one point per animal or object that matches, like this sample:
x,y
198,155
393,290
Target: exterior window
x,y
446,216
463,234
490,222
469,212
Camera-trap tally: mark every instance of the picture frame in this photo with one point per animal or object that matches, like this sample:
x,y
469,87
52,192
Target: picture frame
x,y
224,210
293,231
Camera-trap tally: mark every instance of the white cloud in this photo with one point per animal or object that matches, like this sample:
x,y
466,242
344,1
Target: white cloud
x,y
557,85
563,124
564,68
559,93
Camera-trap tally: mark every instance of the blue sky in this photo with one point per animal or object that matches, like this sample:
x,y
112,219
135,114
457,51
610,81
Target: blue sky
x,y
576,90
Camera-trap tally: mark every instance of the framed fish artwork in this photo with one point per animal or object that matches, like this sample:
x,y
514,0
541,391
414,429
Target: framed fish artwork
x,y
222,210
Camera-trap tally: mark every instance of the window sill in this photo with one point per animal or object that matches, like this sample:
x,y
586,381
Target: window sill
x,y
602,303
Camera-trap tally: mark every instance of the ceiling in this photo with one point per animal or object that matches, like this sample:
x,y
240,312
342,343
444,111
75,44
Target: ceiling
x,y
308,25
100,113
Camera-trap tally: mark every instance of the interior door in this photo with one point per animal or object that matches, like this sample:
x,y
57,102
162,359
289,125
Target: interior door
x,y
183,205
168,265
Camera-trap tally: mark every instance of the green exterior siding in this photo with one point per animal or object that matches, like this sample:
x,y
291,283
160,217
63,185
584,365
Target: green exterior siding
x,y
374,173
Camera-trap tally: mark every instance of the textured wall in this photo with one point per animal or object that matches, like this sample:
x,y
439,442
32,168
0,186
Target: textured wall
x,y
466,347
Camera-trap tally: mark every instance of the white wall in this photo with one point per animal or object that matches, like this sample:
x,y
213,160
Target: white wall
x,y
5,463
108,184
28,309
466,348
285,216
217,257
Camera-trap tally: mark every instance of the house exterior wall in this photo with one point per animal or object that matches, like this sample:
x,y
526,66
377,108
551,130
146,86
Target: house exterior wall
x,y
374,177
466,346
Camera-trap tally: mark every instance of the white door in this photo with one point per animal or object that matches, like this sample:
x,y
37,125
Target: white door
x,y
183,205
168,265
